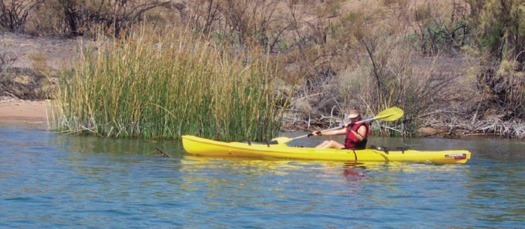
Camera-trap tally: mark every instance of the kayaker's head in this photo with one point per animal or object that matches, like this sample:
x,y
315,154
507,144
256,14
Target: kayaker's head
x,y
354,115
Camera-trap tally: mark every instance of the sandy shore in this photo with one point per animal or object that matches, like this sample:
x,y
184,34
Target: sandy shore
x,y
15,110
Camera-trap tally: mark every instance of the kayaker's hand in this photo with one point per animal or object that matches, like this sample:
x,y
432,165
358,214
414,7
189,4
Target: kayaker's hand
x,y
317,133
312,134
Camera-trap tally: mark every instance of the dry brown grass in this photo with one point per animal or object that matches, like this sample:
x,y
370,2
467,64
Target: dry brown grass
x,y
372,54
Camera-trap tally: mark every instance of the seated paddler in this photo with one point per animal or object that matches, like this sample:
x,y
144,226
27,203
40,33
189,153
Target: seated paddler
x,y
356,133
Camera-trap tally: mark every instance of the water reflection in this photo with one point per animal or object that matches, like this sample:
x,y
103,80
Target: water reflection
x,y
496,191
90,144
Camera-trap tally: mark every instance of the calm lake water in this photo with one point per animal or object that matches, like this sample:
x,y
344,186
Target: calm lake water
x,y
52,180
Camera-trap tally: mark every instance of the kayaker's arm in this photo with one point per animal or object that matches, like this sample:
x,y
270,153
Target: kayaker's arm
x,y
341,131
360,134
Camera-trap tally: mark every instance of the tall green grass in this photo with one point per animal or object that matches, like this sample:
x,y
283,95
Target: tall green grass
x,y
166,86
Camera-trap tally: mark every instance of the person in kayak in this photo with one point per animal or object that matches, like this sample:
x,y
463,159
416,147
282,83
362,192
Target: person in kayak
x,y
356,134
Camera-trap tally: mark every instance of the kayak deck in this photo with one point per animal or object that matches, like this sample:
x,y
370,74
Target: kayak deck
x,y
205,147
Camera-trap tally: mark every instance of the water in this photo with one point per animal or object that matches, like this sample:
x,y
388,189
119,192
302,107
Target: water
x,y
51,180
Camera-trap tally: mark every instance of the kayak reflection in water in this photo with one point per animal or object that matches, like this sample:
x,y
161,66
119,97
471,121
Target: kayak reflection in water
x,y
356,134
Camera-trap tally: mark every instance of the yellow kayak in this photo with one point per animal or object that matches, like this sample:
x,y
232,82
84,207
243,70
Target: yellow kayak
x,y
205,147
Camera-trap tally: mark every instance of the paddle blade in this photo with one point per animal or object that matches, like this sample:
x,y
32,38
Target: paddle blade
x,y
281,140
390,114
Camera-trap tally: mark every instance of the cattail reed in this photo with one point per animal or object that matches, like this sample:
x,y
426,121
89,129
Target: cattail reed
x,y
167,86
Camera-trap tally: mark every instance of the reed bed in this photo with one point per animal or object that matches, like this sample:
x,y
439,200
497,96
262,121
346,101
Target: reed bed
x,y
167,86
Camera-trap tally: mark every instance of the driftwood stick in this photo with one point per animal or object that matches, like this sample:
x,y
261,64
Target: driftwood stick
x,y
162,153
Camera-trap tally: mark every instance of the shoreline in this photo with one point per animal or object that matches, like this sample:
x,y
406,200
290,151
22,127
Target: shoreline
x,y
14,110
38,112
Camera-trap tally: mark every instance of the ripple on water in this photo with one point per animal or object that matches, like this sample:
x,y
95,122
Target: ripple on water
x,y
51,180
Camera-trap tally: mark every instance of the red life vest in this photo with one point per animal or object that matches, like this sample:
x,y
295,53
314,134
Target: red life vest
x,y
351,140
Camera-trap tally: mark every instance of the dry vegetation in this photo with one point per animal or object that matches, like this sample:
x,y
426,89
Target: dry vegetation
x,y
454,66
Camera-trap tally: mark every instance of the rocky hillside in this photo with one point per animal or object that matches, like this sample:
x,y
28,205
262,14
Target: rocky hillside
x,y
29,65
